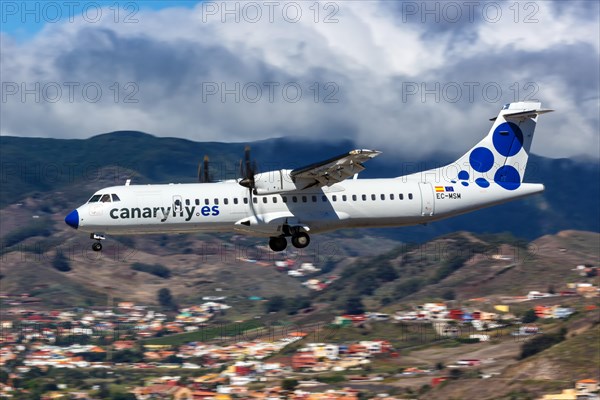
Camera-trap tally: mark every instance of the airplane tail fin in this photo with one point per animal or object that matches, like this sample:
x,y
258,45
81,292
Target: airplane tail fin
x,y
501,156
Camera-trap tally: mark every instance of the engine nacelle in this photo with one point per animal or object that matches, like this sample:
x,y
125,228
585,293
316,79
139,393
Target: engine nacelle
x,y
274,182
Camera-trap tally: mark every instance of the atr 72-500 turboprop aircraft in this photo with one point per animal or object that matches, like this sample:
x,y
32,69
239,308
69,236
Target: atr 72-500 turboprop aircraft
x,y
318,198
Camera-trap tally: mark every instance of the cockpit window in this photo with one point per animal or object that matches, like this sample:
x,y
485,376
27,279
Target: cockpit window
x,y
95,198
115,197
105,198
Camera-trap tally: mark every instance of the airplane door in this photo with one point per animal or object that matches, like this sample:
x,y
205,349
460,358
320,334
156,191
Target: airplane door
x,y
177,204
427,202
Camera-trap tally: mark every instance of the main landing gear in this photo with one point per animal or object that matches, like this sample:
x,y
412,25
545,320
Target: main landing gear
x,y
97,245
299,240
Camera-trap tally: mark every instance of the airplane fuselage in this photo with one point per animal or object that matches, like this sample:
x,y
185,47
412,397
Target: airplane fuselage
x,y
228,207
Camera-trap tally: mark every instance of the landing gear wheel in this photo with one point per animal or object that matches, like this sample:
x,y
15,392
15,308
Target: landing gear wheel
x,y
278,243
300,240
97,246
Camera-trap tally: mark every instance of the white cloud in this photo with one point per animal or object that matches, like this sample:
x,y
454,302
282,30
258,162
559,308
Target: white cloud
x,y
367,61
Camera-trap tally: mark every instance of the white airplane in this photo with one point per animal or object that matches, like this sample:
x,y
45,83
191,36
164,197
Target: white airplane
x,y
319,197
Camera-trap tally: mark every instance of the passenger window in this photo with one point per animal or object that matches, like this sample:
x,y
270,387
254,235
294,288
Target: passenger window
x,y
235,200
274,200
364,197
294,199
206,202
255,200
344,197
353,197
392,196
334,198
245,200
401,196
115,197
226,201
216,201
314,199
373,197
284,198
383,197
197,202
265,200
410,196
324,198
304,199
187,202
105,198
95,198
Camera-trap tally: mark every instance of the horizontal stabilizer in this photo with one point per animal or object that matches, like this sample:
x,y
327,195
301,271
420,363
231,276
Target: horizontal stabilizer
x,y
524,114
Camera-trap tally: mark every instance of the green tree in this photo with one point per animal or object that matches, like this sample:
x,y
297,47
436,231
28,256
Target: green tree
x,y
275,304
103,392
529,317
122,396
289,384
127,356
60,262
542,342
455,373
385,272
385,301
165,299
295,304
173,359
365,284
354,306
155,269
449,295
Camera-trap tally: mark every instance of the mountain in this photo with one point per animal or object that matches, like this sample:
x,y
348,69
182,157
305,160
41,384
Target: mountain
x,y
462,266
33,166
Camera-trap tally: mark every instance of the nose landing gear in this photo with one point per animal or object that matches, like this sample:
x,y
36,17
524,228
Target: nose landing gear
x,y
97,246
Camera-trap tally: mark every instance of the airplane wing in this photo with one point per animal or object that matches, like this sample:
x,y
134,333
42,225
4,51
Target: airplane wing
x,y
334,170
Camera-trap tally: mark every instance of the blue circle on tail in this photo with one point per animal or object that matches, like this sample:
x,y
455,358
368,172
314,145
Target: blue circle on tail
x,y
508,177
481,159
482,182
507,139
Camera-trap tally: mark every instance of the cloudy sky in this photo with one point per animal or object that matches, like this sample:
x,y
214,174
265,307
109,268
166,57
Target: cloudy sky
x,y
410,78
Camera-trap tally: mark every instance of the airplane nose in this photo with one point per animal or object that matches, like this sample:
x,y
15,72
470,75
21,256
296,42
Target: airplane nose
x,y
72,219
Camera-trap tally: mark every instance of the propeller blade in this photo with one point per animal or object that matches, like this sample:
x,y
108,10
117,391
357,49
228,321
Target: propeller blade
x,y
206,174
247,170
